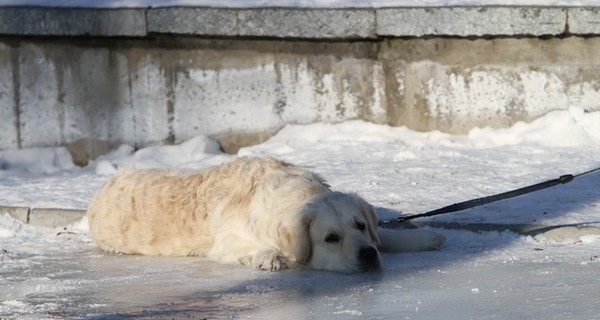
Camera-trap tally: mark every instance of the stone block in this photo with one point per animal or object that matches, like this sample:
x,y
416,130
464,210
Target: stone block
x,y
72,22
53,218
303,23
585,21
471,21
278,23
196,21
19,213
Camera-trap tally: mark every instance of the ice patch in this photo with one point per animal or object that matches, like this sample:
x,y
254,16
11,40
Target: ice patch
x,y
356,313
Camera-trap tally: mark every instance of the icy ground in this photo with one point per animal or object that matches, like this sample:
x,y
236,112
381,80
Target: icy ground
x,y
58,273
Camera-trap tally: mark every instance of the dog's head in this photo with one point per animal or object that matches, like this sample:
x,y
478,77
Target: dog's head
x,y
336,232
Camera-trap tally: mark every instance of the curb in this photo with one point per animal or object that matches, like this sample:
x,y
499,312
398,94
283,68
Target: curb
x,y
558,233
57,217
44,217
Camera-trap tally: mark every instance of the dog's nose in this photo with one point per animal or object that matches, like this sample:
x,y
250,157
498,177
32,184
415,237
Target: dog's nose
x,y
367,254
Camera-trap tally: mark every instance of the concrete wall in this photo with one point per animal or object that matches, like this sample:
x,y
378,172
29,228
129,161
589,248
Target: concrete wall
x,y
153,85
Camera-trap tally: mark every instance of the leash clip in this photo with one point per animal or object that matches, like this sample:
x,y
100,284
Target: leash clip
x,y
566,178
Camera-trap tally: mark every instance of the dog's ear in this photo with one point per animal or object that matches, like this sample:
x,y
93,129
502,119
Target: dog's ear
x,y
368,213
295,239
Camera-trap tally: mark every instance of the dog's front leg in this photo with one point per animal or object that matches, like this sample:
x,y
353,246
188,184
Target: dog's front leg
x,y
231,248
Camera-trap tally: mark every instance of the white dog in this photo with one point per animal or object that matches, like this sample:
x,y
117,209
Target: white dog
x,y
255,211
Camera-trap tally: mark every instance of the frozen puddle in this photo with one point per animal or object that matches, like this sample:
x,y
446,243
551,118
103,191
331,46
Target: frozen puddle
x,y
474,276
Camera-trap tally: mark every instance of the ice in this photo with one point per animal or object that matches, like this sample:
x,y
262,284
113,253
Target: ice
x,y
50,273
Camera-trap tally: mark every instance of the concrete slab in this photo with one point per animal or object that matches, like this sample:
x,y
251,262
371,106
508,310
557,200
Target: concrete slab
x,y
54,217
72,22
585,21
302,23
278,23
19,213
197,21
471,21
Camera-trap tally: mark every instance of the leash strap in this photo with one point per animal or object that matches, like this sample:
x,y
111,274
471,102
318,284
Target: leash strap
x,y
501,196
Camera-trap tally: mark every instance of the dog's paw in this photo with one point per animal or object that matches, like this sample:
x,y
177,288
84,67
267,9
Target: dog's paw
x,y
269,261
436,241
429,240
409,240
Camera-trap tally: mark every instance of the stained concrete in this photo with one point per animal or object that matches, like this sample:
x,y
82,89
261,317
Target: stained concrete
x,y
164,75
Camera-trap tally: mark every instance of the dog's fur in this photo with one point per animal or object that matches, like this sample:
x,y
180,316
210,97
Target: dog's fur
x,y
254,211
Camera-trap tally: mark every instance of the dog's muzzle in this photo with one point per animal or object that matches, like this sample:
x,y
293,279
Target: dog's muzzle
x,y
368,258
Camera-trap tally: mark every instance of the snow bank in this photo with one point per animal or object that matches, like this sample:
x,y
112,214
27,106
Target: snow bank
x,y
571,128
35,161
557,129
575,127
188,154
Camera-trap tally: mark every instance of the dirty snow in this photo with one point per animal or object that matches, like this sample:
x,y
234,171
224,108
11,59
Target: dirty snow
x,y
57,273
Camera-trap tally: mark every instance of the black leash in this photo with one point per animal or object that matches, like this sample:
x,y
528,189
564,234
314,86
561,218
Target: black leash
x,y
501,196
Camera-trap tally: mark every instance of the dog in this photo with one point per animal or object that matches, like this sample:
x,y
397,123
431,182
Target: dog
x,y
259,212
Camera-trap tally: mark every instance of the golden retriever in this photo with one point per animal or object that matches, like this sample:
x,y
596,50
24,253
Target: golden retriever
x,y
260,212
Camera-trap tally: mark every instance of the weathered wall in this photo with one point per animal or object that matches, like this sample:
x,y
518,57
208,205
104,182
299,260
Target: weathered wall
x,y
167,90
163,75
456,84
143,92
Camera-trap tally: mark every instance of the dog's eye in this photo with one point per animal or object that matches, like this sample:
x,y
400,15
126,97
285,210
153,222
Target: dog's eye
x,y
360,226
332,238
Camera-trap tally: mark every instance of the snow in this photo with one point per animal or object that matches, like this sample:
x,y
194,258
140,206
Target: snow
x,y
55,273
292,3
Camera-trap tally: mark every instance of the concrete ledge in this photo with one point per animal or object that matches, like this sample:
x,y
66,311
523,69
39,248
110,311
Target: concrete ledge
x,y
302,23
